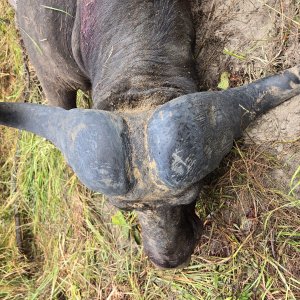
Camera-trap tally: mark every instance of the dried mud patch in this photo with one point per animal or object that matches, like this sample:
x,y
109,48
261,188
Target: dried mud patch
x,y
279,132
245,37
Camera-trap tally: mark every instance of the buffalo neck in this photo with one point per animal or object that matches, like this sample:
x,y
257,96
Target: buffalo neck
x,y
137,54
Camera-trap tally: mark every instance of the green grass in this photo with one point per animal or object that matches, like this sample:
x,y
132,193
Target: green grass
x,y
250,248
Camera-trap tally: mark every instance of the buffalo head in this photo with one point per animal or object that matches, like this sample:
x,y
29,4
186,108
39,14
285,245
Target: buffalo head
x,y
150,137
153,161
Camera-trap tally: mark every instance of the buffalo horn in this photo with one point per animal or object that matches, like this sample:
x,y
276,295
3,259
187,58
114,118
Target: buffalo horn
x,y
189,136
92,141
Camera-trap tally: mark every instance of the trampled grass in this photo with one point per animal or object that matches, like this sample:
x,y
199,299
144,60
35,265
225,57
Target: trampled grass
x,y
67,246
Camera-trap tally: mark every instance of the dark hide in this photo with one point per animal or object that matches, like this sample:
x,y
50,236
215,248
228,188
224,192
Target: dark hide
x,y
138,53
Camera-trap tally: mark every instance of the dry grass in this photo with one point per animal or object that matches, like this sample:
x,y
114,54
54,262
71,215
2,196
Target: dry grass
x,y
71,250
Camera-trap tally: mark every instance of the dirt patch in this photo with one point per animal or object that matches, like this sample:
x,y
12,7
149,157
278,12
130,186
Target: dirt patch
x,y
279,132
250,40
280,124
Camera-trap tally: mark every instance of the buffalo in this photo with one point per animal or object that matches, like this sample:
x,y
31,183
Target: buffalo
x,y
151,136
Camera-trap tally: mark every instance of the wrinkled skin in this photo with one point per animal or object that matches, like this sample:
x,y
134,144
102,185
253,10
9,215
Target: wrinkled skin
x,y
150,137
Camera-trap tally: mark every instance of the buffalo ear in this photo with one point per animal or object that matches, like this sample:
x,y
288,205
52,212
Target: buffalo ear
x,y
189,136
93,142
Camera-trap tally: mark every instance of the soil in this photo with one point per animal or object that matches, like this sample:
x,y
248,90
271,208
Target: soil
x,y
260,38
265,36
